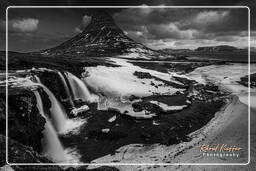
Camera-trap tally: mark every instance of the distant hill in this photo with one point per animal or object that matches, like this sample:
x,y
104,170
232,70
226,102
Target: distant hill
x,y
222,52
207,49
220,49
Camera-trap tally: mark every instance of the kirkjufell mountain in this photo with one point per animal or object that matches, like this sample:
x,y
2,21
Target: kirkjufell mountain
x,y
102,38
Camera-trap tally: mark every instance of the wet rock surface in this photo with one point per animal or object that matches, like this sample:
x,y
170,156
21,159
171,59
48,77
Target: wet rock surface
x,y
25,123
18,153
2,116
53,82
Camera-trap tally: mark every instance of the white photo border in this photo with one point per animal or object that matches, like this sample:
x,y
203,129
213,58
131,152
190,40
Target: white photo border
x,y
131,164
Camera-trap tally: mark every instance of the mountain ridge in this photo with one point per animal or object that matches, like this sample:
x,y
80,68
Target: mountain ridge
x,y
208,49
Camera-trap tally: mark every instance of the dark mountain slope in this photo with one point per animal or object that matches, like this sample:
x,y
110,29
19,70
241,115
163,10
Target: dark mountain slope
x,y
102,37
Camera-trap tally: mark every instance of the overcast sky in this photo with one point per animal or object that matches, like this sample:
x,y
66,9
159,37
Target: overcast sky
x,y
35,29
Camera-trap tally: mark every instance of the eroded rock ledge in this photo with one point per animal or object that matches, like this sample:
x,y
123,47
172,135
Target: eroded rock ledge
x,y
25,123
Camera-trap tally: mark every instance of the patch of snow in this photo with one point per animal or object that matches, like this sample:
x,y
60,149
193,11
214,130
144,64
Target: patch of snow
x,y
174,74
166,107
116,84
76,111
112,119
164,76
133,55
106,130
142,115
45,53
120,81
155,123
42,69
20,82
137,50
20,71
123,106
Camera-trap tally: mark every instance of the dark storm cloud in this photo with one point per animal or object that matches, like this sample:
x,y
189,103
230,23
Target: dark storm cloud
x,y
218,20
147,15
186,24
156,23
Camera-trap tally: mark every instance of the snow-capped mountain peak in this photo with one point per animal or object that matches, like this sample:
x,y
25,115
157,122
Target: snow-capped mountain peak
x,y
102,38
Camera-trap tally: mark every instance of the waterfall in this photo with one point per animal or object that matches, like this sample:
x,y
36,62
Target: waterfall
x,y
51,144
79,89
69,96
58,115
37,79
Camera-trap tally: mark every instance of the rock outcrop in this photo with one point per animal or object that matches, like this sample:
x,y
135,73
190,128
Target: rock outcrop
x,y
25,123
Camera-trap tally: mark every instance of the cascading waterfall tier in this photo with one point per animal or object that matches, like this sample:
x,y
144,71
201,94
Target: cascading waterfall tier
x,y
56,123
52,146
67,89
75,89
79,89
58,114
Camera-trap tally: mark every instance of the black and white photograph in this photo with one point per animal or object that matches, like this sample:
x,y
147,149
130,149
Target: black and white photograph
x,y
127,85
